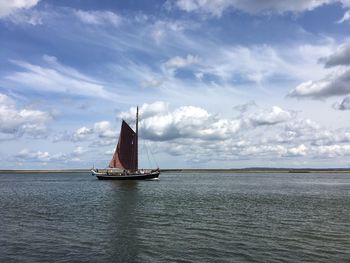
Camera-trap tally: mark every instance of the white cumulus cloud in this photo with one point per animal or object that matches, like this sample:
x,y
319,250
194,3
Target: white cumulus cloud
x,y
271,117
145,111
297,151
104,129
158,123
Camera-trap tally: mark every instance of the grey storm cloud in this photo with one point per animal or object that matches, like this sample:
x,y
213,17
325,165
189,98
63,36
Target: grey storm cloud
x,y
335,84
340,58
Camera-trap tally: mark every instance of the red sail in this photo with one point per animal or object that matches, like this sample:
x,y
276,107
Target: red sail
x,y
125,155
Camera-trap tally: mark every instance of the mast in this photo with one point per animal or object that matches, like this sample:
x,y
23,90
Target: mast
x,y
137,139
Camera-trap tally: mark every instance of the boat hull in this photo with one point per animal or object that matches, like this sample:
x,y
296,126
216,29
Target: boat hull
x,y
137,176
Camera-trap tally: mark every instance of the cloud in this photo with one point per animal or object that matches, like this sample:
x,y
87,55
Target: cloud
x,y
134,74
104,134
340,57
328,138
332,151
302,127
22,121
98,17
31,17
158,123
104,130
34,130
32,155
199,75
180,62
44,156
257,63
152,82
226,70
260,63
161,29
217,7
334,84
100,134
145,111
222,68
242,108
274,116
297,151
8,7
308,133
57,78
200,137
80,134
343,105
345,18
79,151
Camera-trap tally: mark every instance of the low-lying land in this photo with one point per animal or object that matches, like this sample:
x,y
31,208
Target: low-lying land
x,y
46,171
265,170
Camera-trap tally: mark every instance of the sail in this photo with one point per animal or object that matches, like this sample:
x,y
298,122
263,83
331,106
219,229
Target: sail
x,y
125,155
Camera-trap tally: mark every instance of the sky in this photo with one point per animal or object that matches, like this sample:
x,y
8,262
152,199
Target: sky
x,y
219,83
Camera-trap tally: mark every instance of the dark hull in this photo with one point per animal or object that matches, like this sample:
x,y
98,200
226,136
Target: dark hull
x,y
145,176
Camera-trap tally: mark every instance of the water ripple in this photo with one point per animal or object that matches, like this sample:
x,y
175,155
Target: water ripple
x,y
179,218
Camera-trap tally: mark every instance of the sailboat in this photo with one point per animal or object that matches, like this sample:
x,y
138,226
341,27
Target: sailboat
x,y
124,163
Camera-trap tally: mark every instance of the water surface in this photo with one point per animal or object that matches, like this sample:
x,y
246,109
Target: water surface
x,y
183,217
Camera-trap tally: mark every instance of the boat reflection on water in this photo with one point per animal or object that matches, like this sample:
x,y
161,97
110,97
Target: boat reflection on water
x,y
124,220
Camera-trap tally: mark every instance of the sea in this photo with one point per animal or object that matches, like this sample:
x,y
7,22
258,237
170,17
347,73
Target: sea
x,y
182,217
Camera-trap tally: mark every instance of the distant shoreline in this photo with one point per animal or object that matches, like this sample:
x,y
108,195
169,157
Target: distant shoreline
x,y
46,171
243,170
